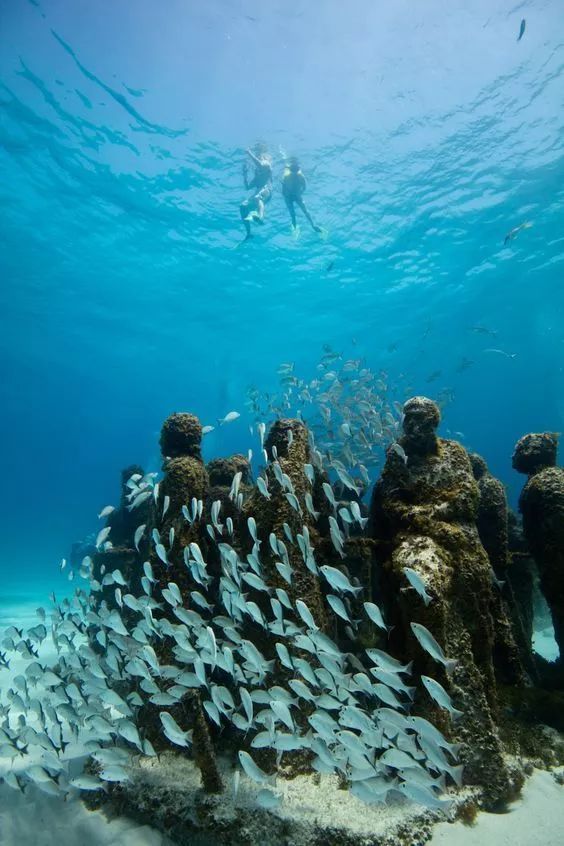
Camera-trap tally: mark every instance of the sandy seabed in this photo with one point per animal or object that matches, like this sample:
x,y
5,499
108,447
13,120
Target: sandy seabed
x,y
36,819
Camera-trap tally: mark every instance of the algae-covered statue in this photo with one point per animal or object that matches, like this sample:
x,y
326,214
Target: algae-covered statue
x,y
241,641
425,508
542,506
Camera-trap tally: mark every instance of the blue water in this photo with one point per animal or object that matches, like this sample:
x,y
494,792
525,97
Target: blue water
x,y
426,132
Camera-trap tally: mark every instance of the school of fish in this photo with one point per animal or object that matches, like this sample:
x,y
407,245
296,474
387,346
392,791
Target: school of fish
x,y
359,723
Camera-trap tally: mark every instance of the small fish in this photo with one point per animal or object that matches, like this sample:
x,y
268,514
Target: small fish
x,y
483,330
148,570
501,352
437,692
166,503
207,429
338,580
268,800
516,229
143,497
229,418
161,552
105,512
285,571
375,615
346,479
423,796
399,450
306,615
252,770
356,513
328,491
261,485
309,473
236,780
101,537
252,526
430,645
522,29
138,535
310,506
294,502
114,774
338,607
173,731
288,532
284,656
417,584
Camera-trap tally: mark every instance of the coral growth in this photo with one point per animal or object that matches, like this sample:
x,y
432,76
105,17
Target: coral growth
x,y
542,506
279,624
425,507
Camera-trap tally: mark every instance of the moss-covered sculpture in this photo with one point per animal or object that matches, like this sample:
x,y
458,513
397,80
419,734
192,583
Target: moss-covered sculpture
x,y
542,506
424,508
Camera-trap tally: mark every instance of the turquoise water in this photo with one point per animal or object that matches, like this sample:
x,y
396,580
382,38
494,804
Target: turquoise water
x,y
426,133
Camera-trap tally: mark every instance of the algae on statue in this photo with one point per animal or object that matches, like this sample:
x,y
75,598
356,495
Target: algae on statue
x,y
423,511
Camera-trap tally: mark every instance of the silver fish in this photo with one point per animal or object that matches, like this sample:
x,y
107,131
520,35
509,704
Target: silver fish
x,y
138,535
229,418
417,584
338,580
437,692
430,645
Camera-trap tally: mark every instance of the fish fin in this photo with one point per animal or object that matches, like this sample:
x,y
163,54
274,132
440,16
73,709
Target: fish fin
x,y
450,664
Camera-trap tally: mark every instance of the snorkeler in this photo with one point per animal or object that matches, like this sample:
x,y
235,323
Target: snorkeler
x,y
293,188
253,207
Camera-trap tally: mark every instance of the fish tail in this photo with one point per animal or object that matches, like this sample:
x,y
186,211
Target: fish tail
x,y
456,774
450,664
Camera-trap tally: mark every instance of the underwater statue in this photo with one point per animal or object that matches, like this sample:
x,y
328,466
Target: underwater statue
x,y
424,512
542,505
236,634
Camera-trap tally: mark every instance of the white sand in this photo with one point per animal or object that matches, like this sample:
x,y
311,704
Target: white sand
x,y
535,820
545,645
38,820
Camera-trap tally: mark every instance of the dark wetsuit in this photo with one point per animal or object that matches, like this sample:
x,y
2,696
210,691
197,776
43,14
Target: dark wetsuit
x,y
262,183
293,186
